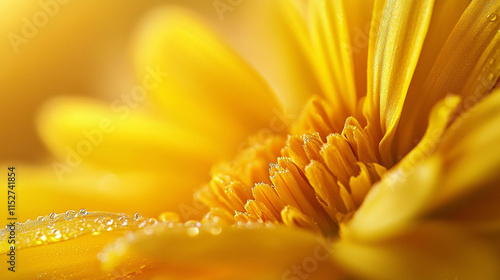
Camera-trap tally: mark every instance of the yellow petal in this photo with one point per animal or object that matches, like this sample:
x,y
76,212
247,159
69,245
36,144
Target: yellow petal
x,y
430,251
406,189
65,247
329,38
280,49
358,15
394,50
467,65
55,47
470,151
52,188
445,16
117,137
205,78
247,252
440,177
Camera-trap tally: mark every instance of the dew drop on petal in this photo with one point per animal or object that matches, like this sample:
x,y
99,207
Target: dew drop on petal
x,y
83,212
492,17
141,222
122,221
108,221
52,215
153,221
137,216
215,230
193,231
70,214
192,223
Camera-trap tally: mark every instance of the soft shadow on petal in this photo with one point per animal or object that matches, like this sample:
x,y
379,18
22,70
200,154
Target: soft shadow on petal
x,y
359,16
429,251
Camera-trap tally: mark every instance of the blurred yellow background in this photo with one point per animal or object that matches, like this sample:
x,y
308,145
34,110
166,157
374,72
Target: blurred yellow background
x,y
83,49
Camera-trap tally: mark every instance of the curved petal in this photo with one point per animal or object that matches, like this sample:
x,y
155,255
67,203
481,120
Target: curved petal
x,y
466,65
359,17
67,247
334,62
460,165
57,188
247,252
393,54
404,190
201,76
430,251
281,49
117,136
445,15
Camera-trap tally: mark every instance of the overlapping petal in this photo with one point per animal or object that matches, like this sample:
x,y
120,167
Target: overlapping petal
x,y
399,29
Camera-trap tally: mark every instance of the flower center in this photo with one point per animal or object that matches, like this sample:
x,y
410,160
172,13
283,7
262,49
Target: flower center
x,y
314,179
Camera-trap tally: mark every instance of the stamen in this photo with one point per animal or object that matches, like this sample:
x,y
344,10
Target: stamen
x,y
318,179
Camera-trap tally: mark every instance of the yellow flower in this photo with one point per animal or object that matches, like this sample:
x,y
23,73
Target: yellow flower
x,y
388,171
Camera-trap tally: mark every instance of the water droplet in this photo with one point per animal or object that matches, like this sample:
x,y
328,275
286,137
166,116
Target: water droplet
x,y
192,223
193,231
52,215
108,221
109,229
215,230
141,222
153,221
492,17
122,221
137,216
57,234
43,238
70,214
83,212
39,218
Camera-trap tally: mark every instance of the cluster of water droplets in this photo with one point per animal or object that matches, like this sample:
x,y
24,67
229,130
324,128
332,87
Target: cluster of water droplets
x,y
58,227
